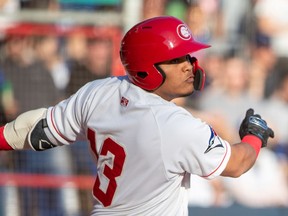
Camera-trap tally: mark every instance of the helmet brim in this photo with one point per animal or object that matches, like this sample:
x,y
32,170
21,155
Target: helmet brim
x,y
183,50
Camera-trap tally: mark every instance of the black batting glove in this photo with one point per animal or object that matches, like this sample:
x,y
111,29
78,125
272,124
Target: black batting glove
x,y
254,124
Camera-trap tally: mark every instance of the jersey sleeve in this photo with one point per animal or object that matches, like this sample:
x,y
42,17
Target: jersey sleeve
x,y
195,147
66,120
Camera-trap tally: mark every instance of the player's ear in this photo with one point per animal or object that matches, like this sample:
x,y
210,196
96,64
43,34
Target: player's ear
x,y
199,74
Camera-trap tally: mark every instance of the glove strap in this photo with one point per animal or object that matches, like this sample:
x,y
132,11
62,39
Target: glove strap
x,y
3,143
253,141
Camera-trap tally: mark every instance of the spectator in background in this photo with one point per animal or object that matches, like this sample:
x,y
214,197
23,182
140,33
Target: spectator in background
x,y
272,20
26,66
232,13
211,9
31,82
94,65
275,109
262,64
76,47
7,101
153,8
214,66
47,52
196,19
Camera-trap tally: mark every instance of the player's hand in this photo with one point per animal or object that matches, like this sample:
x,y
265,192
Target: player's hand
x,y
254,124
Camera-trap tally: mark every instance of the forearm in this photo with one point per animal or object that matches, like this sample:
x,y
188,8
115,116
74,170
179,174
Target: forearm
x,y
15,133
243,156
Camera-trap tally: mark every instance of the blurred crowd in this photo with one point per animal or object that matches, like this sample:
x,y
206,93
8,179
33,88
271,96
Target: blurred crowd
x,y
247,66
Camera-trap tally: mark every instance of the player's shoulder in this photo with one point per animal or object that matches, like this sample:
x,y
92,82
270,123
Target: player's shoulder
x,y
171,109
104,84
113,80
174,116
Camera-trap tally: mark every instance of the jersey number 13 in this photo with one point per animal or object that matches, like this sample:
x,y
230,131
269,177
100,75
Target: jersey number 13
x,y
111,173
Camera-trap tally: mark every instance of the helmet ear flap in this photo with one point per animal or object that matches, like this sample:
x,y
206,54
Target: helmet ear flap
x,y
199,74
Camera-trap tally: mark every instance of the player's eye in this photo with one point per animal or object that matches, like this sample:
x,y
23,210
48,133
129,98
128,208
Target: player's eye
x,y
177,60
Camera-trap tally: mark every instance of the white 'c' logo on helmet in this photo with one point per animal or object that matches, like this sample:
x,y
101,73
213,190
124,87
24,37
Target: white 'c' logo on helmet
x,y
184,32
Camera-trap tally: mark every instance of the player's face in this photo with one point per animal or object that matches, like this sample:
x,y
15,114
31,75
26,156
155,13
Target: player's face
x,y
179,78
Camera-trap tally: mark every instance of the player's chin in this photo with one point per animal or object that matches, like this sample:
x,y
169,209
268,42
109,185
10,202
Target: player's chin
x,y
186,93
185,90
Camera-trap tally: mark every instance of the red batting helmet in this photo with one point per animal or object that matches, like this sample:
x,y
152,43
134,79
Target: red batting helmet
x,y
153,41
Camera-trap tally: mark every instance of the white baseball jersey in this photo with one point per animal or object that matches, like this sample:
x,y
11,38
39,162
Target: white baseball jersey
x,y
145,147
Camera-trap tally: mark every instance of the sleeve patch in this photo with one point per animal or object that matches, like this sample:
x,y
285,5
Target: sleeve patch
x,y
214,141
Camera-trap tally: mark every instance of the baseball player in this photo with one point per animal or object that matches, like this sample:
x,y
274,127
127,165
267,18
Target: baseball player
x,y
145,146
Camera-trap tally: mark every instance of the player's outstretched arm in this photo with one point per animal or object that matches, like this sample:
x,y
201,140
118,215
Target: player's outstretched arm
x,y
254,134
26,131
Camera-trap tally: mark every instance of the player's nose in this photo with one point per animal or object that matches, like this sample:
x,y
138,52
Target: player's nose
x,y
187,65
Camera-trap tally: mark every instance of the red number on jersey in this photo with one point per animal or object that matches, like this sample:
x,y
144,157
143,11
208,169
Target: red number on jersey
x,y
106,197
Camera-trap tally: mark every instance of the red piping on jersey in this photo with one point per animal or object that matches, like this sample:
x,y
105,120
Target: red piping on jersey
x,y
219,164
54,126
3,142
92,139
